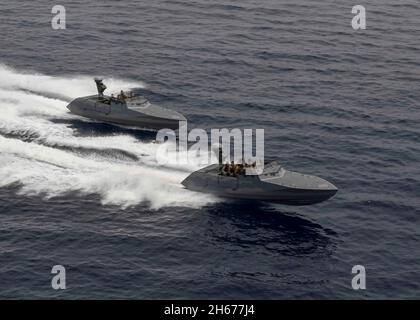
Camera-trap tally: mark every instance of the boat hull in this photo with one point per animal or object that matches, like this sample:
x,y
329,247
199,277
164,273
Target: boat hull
x,y
152,117
253,188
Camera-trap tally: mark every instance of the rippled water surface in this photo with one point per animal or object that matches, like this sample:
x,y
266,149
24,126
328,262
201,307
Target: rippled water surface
x,y
334,102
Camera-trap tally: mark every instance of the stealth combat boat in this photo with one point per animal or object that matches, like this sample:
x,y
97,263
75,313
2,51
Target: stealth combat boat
x,y
274,184
126,110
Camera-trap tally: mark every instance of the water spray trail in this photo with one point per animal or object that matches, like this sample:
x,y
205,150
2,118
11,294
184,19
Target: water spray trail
x,y
32,154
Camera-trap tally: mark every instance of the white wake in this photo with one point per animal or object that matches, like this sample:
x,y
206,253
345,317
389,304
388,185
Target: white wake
x,y
30,152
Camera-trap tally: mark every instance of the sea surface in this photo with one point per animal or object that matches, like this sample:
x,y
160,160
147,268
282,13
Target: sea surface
x,y
334,102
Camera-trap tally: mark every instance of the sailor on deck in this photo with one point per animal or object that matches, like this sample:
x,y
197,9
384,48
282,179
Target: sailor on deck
x,y
122,96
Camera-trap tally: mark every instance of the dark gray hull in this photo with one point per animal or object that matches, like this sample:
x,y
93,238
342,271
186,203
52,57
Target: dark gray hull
x,y
129,114
290,189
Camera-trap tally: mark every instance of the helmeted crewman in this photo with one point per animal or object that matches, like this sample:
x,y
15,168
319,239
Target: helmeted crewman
x,y
122,96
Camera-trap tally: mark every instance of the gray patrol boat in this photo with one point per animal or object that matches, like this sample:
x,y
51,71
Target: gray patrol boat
x,y
274,184
126,110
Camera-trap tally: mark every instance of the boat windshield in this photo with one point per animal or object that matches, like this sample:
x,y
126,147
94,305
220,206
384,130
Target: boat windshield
x,y
139,102
272,169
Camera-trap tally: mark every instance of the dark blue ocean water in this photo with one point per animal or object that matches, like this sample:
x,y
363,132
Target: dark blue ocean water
x,y
334,102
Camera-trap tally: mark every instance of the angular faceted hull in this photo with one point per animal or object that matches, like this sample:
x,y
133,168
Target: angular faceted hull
x,y
291,188
127,114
